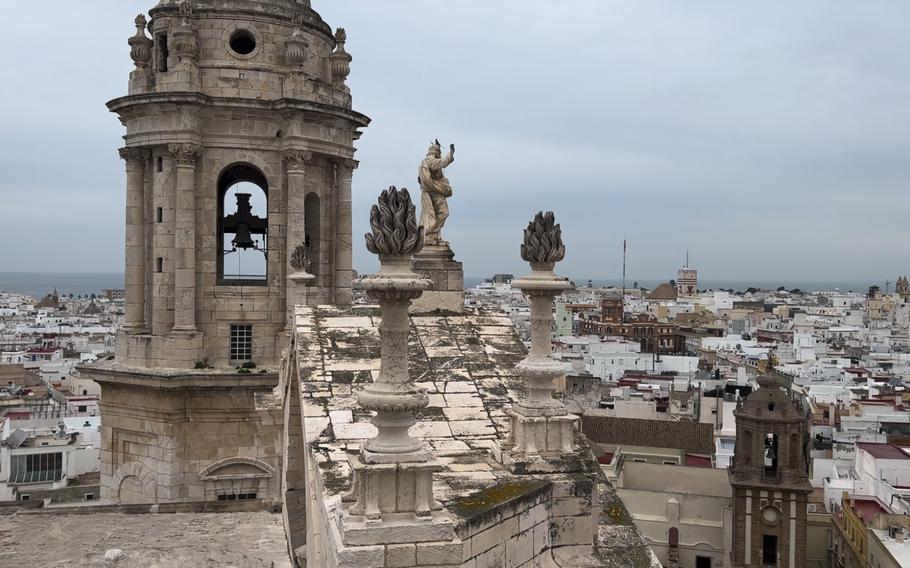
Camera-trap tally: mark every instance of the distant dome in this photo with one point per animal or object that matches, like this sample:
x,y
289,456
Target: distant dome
x,y
50,301
91,310
663,292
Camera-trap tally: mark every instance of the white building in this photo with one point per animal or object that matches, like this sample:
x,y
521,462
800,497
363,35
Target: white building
x,y
45,454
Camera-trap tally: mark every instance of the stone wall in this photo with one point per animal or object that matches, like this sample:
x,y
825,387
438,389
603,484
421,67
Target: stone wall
x,y
203,436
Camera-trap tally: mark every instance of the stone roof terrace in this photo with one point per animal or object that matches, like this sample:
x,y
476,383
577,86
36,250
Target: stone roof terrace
x,y
465,363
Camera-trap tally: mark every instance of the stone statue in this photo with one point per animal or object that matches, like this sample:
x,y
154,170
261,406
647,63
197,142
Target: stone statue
x,y
435,191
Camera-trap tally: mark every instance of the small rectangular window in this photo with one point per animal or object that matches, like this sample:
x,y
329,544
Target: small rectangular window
x,y
162,53
159,215
159,264
25,497
241,342
83,408
89,497
160,164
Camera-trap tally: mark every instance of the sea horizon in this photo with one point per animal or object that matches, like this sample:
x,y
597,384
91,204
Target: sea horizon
x,y
38,284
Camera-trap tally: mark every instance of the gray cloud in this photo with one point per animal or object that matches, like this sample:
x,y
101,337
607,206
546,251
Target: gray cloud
x,y
769,139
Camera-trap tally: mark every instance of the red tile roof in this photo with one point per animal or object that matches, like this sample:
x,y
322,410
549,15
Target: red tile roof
x,y
606,458
698,461
883,451
867,508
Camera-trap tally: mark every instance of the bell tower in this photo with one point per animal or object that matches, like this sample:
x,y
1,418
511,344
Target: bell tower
x,y
770,478
239,154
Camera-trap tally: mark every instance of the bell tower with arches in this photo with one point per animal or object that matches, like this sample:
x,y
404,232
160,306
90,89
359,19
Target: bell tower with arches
x,y
770,478
239,154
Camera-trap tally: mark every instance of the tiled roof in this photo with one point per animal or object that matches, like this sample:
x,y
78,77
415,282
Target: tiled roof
x,y
883,451
691,437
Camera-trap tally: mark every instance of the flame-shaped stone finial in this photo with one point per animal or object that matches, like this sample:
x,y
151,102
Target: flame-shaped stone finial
x,y
394,223
543,240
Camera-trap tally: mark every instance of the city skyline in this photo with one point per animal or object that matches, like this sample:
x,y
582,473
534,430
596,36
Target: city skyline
x,y
766,143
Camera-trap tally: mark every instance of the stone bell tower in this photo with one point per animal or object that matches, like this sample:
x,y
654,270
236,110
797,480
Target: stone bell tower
x,y
770,478
239,152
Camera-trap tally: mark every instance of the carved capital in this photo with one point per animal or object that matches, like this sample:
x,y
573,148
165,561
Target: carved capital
x,y
348,164
134,157
185,154
296,160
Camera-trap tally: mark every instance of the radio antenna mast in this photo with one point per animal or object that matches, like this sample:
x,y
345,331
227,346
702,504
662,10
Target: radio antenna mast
x,y
623,303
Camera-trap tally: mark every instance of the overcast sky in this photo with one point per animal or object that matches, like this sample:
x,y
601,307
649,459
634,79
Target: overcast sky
x,y
769,139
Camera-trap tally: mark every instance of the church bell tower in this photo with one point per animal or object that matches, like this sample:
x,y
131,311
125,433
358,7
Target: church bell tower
x,y
770,478
239,154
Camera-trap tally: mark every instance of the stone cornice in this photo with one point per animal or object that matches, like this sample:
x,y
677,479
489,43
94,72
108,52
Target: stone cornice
x,y
124,104
118,374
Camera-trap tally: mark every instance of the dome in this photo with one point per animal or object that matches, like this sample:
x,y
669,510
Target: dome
x,y
663,292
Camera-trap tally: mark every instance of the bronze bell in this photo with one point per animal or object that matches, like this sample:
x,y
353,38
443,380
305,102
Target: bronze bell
x,y
244,224
242,238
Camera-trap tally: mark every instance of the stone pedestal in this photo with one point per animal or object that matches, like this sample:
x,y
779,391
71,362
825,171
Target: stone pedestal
x,y
392,503
541,444
437,263
297,293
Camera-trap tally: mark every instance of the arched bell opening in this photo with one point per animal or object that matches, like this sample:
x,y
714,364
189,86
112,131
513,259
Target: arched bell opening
x,y
770,457
243,226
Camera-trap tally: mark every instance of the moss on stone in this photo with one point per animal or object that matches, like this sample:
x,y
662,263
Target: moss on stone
x,y
485,501
333,481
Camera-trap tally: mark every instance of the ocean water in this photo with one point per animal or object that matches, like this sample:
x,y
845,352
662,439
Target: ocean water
x,y
38,284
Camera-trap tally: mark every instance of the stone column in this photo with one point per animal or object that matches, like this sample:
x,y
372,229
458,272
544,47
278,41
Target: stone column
x,y
344,172
295,231
393,462
135,159
185,237
543,432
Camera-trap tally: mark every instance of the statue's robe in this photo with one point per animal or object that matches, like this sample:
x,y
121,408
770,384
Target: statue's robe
x,y
435,190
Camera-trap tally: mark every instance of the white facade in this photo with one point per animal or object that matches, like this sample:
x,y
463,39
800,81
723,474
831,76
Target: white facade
x,y
55,451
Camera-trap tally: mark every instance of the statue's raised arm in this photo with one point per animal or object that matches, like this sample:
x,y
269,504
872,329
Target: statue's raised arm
x,y
435,190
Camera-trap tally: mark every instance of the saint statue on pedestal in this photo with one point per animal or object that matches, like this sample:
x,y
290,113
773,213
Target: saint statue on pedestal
x,y
435,191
